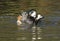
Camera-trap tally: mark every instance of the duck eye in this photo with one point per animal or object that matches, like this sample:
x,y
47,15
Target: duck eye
x,y
31,11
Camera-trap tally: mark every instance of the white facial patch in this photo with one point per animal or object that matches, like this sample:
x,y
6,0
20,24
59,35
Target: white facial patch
x,y
33,14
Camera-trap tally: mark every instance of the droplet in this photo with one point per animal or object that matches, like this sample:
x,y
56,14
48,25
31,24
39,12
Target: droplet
x,y
34,38
39,38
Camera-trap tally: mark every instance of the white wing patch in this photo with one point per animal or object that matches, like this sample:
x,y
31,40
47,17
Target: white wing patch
x,y
39,16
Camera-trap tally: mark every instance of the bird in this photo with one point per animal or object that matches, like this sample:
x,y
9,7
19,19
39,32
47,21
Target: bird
x,y
34,16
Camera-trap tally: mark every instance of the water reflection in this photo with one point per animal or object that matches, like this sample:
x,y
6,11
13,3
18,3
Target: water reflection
x,y
34,32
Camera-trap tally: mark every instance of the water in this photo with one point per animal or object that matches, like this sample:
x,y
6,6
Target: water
x,y
47,30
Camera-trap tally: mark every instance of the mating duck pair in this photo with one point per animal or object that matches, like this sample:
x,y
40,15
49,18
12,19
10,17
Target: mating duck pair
x,y
30,17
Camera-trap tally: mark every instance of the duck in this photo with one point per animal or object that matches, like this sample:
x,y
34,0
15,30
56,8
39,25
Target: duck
x,y
35,17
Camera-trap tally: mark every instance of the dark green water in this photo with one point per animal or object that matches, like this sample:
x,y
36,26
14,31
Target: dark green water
x,y
47,30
